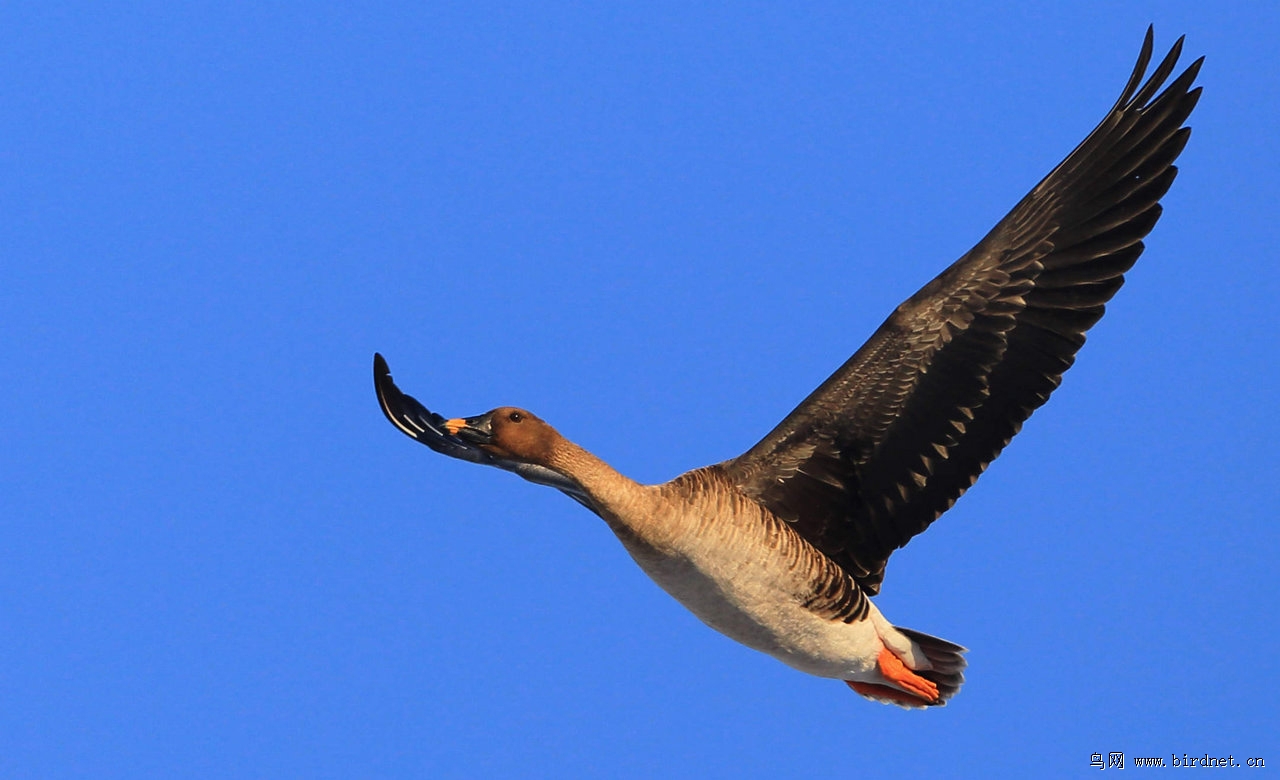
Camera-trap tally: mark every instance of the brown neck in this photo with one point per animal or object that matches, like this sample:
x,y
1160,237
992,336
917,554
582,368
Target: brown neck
x,y
619,498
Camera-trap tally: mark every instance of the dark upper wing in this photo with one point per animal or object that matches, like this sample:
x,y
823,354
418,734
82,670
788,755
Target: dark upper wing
x,y
901,430
427,427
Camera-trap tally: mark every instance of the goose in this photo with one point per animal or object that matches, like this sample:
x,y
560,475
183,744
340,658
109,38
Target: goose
x,y
782,547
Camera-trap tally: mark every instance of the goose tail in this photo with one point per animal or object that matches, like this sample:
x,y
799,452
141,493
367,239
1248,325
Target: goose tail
x,y
946,660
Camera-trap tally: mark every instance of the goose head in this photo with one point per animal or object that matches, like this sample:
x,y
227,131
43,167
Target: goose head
x,y
508,433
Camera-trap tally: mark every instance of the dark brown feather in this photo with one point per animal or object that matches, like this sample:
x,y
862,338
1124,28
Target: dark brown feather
x,y
889,442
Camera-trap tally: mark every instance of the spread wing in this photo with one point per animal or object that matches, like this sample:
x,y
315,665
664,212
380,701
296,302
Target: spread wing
x,y
906,425
423,425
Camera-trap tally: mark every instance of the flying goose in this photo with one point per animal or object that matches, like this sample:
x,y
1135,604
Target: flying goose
x,y
781,547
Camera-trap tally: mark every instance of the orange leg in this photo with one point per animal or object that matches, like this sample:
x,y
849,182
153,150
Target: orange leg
x,y
883,693
895,671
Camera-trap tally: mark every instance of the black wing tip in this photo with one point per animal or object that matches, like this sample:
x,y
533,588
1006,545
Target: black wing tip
x,y
392,402
1139,93
1193,70
424,426
382,378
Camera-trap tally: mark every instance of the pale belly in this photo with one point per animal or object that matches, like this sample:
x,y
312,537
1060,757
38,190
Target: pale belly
x,y
742,600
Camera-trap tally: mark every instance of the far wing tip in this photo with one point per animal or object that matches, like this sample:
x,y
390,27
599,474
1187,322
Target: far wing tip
x,y
400,409
416,421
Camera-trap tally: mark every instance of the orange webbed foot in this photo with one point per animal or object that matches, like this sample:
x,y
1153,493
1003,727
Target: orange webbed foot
x,y
887,695
895,671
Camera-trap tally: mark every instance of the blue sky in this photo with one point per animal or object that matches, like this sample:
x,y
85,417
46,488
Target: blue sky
x,y
658,228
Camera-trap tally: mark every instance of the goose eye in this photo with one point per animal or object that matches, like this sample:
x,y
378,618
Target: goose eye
x,y
515,417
